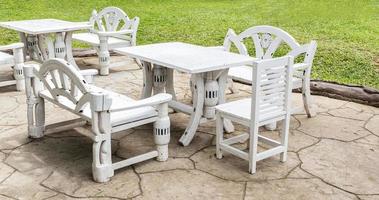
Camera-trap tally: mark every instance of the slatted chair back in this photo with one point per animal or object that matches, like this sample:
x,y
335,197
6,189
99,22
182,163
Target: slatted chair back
x,y
271,89
64,83
112,19
265,39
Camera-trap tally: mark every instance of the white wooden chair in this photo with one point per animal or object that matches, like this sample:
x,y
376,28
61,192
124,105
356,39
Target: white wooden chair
x,y
16,61
111,29
269,103
267,40
107,113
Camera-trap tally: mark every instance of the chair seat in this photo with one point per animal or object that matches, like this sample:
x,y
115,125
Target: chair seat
x,y
244,74
118,100
241,109
6,59
93,39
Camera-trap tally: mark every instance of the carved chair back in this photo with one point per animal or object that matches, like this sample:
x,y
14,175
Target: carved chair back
x,y
113,19
266,41
64,84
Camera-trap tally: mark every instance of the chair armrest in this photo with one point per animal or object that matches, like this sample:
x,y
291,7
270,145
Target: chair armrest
x,y
12,46
113,33
151,101
300,66
221,48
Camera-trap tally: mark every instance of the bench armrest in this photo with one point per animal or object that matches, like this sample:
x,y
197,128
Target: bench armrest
x,y
151,101
12,46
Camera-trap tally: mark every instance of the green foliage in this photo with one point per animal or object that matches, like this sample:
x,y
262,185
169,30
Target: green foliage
x,y
347,32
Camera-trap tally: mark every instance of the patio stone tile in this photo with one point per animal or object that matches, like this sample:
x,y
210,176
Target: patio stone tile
x,y
341,164
324,126
75,179
5,171
236,169
371,140
49,152
21,186
170,164
362,108
188,184
294,189
14,137
350,113
64,197
298,173
373,125
369,197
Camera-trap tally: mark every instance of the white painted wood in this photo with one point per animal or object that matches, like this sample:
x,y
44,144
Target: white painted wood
x,y
43,26
110,28
16,61
271,80
267,40
108,112
185,57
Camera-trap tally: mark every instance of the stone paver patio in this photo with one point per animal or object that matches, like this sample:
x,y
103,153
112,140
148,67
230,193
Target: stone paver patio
x,y
332,156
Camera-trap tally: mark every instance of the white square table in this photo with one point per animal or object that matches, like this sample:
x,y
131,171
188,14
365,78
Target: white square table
x,y
47,38
208,67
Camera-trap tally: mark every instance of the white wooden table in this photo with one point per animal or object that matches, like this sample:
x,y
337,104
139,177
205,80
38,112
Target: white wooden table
x,y
46,38
209,70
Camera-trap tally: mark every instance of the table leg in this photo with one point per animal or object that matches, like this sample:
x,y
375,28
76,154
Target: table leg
x,y
159,79
23,40
32,46
198,102
222,83
69,56
147,80
170,83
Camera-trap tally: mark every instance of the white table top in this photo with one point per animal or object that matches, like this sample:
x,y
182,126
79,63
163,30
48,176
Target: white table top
x,y
186,57
41,26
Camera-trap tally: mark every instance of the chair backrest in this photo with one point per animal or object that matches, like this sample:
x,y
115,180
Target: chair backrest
x,y
271,88
112,19
266,41
64,83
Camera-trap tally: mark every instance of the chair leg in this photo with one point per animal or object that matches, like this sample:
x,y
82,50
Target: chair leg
x,y
104,56
162,132
36,117
253,149
219,135
102,169
284,138
231,86
306,94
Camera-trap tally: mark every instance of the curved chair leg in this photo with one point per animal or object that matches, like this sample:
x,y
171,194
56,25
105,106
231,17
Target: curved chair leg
x,y
231,86
306,94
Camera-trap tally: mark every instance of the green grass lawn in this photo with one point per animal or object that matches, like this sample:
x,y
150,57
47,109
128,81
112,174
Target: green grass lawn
x,y
347,32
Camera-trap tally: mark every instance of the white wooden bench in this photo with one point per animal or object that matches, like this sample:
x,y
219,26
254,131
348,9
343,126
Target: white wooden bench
x,y
107,112
16,61
267,40
269,103
112,28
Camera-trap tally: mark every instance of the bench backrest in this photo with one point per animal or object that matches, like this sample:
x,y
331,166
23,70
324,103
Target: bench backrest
x,y
64,84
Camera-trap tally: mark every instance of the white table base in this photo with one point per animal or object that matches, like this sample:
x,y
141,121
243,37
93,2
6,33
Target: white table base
x,y
208,91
